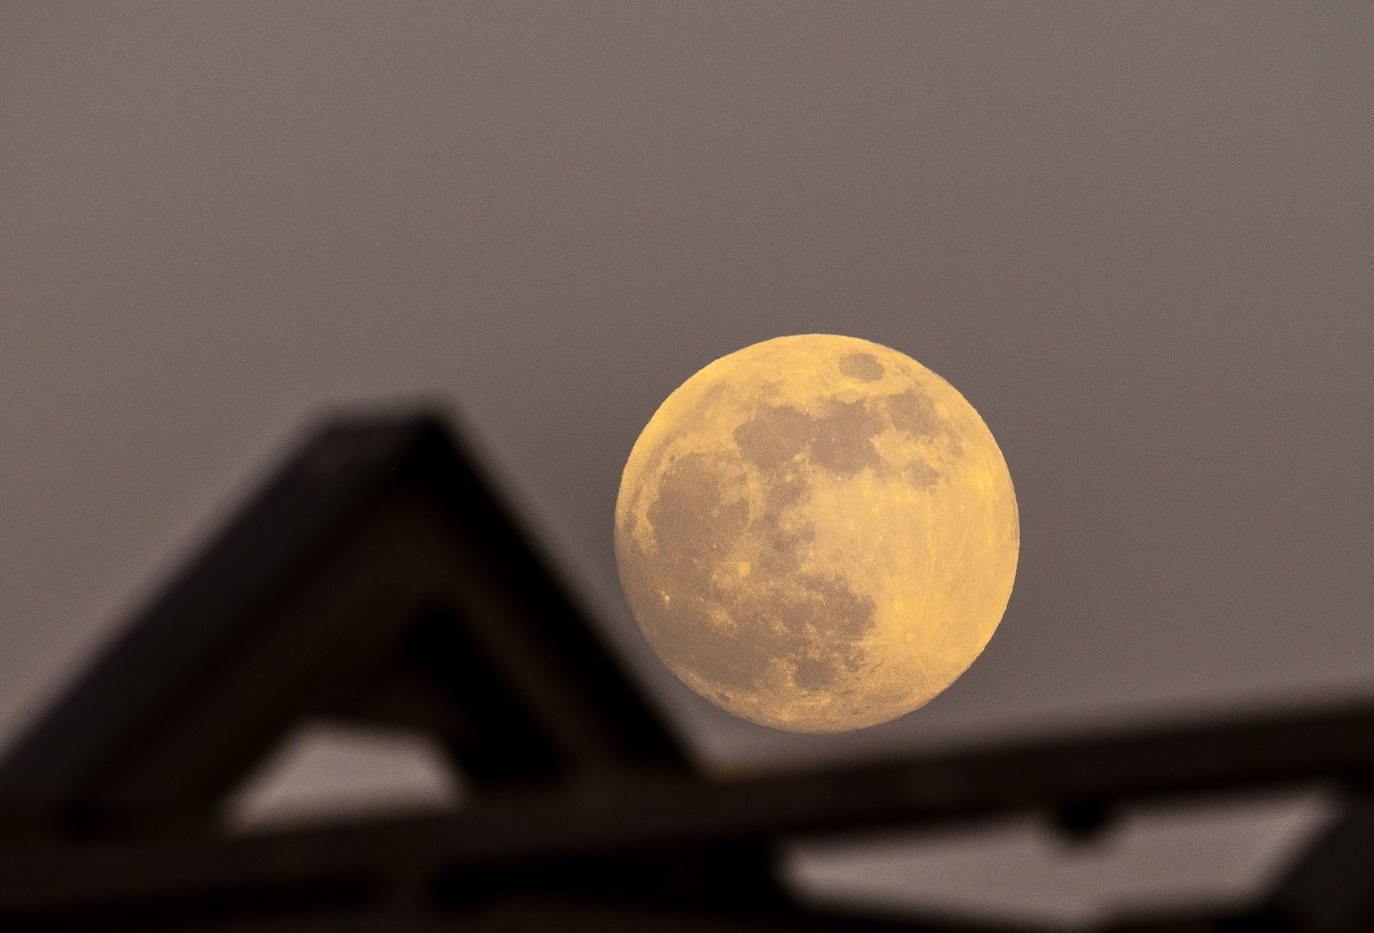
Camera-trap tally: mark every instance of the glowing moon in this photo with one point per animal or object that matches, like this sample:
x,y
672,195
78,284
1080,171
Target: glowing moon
x,y
817,533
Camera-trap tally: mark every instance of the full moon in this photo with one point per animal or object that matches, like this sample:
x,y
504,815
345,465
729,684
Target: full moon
x,y
817,533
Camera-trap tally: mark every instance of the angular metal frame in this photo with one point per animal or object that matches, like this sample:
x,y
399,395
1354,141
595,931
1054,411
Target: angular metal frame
x,y
378,578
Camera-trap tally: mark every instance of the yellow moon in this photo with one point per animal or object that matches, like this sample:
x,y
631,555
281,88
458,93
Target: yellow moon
x,y
817,533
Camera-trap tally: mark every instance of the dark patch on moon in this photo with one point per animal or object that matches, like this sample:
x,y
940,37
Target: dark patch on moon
x,y
839,440
785,491
684,637
914,413
813,673
843,438
695,524
811,623
773,436
778,556
691,518
822,622
862,366
920,474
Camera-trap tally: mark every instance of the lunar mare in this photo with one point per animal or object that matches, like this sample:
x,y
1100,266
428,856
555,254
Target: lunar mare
x,y
817,533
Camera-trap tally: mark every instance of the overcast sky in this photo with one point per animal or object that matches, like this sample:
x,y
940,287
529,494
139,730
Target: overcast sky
x,y
1138,237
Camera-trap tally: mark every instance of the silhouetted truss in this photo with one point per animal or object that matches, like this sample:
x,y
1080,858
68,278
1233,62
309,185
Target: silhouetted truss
x,y
377,579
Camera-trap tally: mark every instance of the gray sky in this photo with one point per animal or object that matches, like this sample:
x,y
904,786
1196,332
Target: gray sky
x,y
1139,237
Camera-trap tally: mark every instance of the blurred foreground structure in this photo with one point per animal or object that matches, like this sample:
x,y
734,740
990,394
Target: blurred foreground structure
x,y
379,580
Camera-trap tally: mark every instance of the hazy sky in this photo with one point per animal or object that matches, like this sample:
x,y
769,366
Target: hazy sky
x,y
1139,237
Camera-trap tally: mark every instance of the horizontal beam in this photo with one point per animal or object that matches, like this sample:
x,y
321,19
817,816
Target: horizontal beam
x,y
667,812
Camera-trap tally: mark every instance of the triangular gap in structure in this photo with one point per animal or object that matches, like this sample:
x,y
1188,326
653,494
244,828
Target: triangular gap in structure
x,y
324,770
417,726
376,579
441,680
